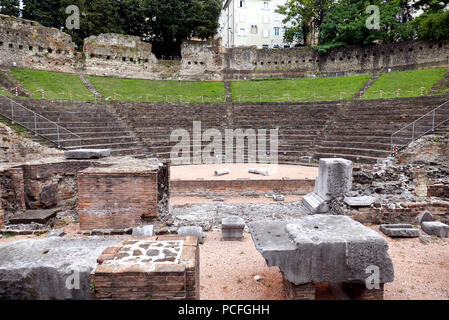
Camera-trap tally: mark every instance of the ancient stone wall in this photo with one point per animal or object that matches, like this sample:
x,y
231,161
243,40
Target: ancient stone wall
x,y
28,44
251,62
240,187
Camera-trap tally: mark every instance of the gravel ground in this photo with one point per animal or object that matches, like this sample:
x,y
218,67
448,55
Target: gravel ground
x,y
228,268
176,201
421,270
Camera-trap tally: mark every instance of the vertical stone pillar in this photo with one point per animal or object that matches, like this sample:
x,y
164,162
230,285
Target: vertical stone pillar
x,y
19,187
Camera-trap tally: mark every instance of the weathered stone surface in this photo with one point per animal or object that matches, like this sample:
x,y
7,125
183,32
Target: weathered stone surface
x,y
87,153
56,233
364,201
232,228
334,178
278,197
40,269
399,230
145,231
42,216
192,231
321,248
425,216
435,228
315,203
49,195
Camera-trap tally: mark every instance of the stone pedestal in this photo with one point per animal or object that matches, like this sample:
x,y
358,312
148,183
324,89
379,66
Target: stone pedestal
x,y
232,228
156,268
334,179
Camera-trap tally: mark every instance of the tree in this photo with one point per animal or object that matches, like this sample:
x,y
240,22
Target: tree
x,y
169,22
431,6
304,18
46,12
434,26
345,24
10,7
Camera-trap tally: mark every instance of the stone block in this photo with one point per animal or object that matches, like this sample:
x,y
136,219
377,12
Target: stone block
x,y
364,201
232,228
424,216
435,228
56,233
45,269
145,231
399,230
334,178
315,203
192,231
81,154
322,248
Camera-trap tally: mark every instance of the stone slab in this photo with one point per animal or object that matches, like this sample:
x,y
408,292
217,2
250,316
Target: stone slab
x,y
364,201
39,269
399,230
435,228
192,231
87,153
334,178
41,216
322,248
315,203
145,231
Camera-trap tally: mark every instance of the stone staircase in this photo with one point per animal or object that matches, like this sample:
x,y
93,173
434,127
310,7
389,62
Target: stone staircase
x,y
363,132
95,126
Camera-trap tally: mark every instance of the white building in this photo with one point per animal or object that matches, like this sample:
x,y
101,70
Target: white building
x,y
252,23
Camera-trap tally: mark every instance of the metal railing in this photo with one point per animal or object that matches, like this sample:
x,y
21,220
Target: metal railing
x,y
421,126
38,124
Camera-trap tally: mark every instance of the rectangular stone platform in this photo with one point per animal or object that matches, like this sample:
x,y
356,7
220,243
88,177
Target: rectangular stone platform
x,y
156,268
322,248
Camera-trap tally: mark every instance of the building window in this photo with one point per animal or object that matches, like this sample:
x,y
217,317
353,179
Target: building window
x,y
254,29
276,31
265,34
266,19
242,4
242,32
266,5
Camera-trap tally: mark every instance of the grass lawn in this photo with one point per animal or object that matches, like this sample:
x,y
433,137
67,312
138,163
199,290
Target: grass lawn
x,y
302,89
4,93
409,83
159,91
57,86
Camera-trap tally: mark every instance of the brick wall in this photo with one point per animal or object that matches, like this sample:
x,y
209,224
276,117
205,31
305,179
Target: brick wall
x,y
438,190
115,200
402,213
240,187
